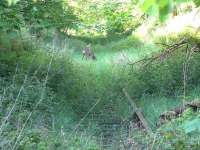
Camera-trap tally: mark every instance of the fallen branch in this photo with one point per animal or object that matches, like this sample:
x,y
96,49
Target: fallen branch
x,y
137,112
177,112
170,49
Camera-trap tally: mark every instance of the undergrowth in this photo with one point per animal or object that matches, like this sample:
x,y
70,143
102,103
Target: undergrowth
x,y
67,87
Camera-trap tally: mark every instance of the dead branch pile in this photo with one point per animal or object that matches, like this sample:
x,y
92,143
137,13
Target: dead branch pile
x,y
169,50
177,112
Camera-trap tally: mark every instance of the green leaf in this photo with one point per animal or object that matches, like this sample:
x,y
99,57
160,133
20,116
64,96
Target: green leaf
x,y
197,2
165,9
162,3
154,10
147,4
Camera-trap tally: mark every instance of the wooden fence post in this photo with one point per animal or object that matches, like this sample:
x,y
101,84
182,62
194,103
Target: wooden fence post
x,y
137,112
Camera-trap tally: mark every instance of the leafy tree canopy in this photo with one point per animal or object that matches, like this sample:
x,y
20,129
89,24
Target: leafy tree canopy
x,y
87,17
36,14
162,8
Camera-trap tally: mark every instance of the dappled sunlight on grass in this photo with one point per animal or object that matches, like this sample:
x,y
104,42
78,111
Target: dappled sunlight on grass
x,y
122,57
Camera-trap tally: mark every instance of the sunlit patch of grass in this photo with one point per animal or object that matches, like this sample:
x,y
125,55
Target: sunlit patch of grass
x,y
107,55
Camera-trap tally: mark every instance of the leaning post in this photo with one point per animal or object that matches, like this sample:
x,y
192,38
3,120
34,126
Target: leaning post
x,y
137,112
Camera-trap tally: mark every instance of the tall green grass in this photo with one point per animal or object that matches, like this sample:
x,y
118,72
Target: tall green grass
x,y
31,100
74,85
78,81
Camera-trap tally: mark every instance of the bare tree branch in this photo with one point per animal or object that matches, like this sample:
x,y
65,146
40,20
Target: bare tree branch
x,y
170,49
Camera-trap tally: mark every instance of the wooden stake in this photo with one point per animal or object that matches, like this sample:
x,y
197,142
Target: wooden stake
x,y
137,112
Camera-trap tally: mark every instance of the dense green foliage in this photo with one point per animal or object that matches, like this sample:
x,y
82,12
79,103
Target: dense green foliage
x,y
36,14
48,92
